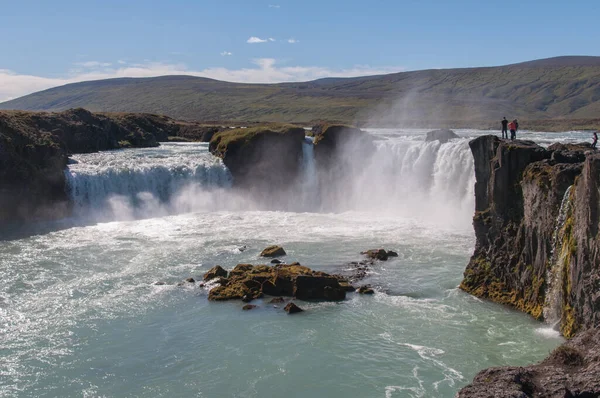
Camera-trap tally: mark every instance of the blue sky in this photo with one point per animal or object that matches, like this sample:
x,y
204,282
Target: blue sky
x,y
49,43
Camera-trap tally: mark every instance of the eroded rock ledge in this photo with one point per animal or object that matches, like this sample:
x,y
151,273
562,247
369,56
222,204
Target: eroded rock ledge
x,y
523,252
537,249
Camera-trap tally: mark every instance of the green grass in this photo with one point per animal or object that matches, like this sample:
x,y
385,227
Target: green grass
x,y
222,140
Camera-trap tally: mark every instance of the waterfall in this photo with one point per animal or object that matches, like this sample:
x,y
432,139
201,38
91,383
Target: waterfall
x,y
142,180
554,274
405,177
309,180
409,178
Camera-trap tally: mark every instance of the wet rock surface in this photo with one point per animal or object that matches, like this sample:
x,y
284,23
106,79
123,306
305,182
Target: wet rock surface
x,y
215,272
273,251
292,308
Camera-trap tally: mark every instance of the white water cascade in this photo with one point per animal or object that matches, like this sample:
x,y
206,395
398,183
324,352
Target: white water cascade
x,y
405,177
310,182
142,182
408,177
554,274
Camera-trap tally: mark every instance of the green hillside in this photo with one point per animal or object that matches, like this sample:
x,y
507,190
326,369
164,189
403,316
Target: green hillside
x,y
562,87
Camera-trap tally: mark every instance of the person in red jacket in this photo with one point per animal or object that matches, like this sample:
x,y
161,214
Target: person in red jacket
x,y
512,126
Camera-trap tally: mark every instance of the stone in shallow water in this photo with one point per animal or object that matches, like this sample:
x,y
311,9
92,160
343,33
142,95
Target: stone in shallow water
x,y
277,300
215,272
366,289
376,254
248,307
273,251
292,308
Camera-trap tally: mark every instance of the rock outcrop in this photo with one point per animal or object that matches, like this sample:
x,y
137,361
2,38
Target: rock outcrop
x,y
572,370
265,158
273,251
247,282
525,254
443,135
341,145
379,254
34,147
537,249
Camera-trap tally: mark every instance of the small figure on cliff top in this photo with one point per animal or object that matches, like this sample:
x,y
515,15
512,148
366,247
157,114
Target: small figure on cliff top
x,y
504,127
512,126
595,139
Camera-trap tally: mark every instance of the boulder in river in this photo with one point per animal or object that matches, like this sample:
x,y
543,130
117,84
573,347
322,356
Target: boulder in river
x,y
379,254
273,251
292,308
366,289
248,307
215,272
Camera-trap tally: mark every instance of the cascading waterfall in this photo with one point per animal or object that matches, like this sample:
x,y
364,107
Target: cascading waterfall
x,y
408,177
404,178
310,183
142,180
554,274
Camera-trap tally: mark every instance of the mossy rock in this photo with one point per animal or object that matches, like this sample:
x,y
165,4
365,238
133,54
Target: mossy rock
x,y
215,272
247,282
273,251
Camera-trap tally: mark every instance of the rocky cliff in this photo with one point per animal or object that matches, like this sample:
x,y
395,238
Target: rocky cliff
x,y
261,159
537,249
529,253
34,147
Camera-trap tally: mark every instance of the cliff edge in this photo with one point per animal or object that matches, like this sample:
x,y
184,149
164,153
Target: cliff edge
x,y
537,249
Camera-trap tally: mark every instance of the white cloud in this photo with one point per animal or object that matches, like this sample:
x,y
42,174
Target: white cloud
x,y
271,39
254,40
226,53
121,62
266,70
292,41
93,64
274,6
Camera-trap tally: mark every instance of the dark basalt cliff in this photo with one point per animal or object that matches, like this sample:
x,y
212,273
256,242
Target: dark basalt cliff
x,y
537,249
34,147
524,251
261,159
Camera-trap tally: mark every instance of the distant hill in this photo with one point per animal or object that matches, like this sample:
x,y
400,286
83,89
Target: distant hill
x,y
561,87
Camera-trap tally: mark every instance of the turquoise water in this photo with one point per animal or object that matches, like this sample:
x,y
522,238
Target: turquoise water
x,y
80,315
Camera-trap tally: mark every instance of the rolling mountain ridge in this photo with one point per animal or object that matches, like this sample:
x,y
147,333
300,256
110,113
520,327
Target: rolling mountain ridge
x,y
561,87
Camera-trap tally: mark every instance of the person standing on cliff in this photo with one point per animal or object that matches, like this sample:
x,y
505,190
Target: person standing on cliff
x,y
504,127
512,126
595,139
